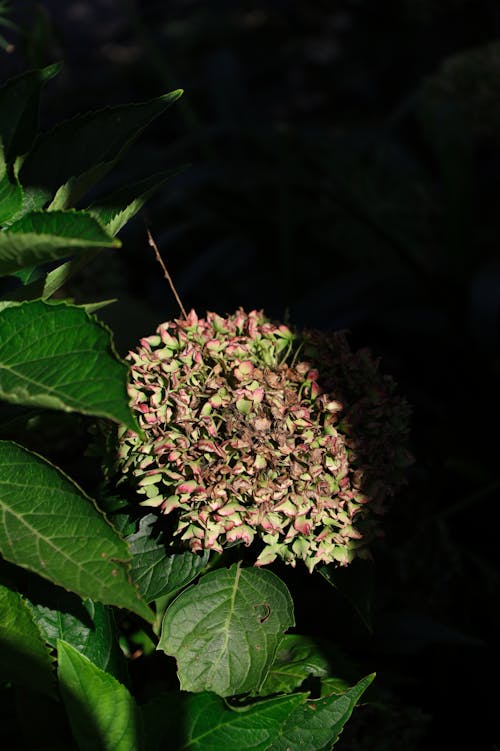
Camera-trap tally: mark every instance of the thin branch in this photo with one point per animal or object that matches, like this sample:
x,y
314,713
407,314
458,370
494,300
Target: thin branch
x,y
165,272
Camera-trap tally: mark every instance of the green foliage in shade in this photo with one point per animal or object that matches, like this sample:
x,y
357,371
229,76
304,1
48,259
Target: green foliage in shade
x,y
88,626
157,573
204,722
11,196
58,356
47,285
58,277
101,711
42,236
49,526
225,630
24,657
19,99
65,566
298,658
317,724
82,150
115,210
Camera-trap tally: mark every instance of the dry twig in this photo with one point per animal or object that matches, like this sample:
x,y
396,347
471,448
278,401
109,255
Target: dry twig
x,y
165,272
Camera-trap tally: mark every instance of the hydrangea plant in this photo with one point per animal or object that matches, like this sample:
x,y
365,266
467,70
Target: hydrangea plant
x,y
238,441
252,432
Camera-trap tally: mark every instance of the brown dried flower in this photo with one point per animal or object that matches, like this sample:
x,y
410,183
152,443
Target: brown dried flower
x,y
254,432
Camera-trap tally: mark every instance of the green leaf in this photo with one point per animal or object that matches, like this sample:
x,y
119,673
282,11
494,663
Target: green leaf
x,y
11,196
93,307
43,236
50,526
87,625
115,210
316,725
204,722
29,275
67,161
58,356
157,573
116,508
59,276
298,658
24,657
19,100
48,285
101,712
90,629
225,630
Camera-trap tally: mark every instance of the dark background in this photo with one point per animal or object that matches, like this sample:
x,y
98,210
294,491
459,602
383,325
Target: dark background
x,y
344,174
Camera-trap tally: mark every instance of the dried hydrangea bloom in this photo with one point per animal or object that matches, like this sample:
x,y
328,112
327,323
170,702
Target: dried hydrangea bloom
x,y
254,433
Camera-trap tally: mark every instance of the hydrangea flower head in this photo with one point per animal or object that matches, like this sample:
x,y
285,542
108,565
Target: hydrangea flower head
x,y
254,433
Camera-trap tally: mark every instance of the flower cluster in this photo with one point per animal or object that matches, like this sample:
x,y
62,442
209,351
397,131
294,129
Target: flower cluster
x,y
245,440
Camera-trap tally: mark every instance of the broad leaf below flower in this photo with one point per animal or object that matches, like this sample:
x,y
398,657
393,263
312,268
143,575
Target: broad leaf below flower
x,y
225,630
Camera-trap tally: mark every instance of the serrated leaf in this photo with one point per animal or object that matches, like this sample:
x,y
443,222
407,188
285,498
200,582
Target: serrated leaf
x,y
115,210
101,712
7,304
19,99
24,657
58,356
225,630
298,658
317,724
156,572
67,161
50,526
43,236
209,724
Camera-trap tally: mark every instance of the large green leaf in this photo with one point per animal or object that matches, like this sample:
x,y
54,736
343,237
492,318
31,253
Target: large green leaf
x,y
101,712
48,525
317,724
298,658
42,236
19,100
157,573
24,657
225,630
204,722
60,357
66,162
